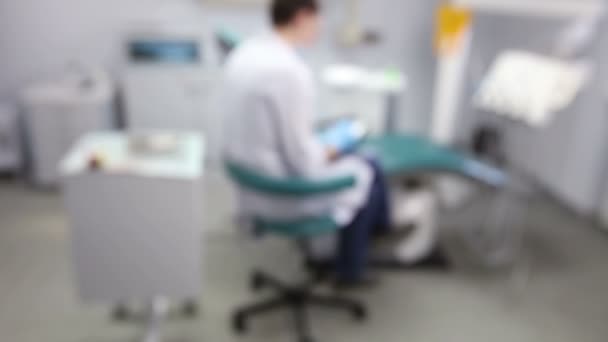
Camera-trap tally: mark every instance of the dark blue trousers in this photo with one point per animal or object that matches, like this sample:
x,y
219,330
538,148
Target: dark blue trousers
x,y
372,219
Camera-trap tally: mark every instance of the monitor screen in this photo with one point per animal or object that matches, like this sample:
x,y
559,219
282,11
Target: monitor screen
x,y
165,51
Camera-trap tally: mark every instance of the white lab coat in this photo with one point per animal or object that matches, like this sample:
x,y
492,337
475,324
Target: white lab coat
x,y
269,108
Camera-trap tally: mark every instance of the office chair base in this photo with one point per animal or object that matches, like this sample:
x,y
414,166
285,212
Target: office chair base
x,y
296,298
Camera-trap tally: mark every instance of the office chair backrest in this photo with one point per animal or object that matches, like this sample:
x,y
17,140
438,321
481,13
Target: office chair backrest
x,y
293,187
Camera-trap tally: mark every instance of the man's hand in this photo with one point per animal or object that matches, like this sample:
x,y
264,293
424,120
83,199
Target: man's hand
x,y
332,154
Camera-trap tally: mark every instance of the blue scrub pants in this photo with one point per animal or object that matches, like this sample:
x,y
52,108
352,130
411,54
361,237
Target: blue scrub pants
x,y
371,220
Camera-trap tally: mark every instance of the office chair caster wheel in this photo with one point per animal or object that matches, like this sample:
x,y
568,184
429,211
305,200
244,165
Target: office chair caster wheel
x,y
190,309
359,313
120,313
306,339
257,281
239,323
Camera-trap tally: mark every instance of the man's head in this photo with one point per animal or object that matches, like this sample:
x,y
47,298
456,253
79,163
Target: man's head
x,y
298,19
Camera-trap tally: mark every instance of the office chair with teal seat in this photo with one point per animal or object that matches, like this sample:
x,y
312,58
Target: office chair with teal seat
x,y
297,298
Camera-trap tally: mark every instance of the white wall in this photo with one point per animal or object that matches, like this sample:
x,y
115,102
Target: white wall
x,y
39,38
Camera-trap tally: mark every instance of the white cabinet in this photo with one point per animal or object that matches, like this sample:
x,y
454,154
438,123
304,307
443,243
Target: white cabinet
x,y
136,222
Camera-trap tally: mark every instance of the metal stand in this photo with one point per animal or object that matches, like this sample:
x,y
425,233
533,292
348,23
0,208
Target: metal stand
x,y
157,311
153,315
392,113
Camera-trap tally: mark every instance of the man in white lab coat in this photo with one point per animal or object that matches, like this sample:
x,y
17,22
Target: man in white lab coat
x,y
269,105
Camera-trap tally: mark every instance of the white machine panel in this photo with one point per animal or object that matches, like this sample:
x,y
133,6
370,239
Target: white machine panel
x,y
168,97
170,84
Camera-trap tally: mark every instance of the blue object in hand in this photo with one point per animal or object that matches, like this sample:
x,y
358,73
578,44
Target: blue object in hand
x,y
344,135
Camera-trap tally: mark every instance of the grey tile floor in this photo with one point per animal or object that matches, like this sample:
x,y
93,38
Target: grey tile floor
x,y
566,298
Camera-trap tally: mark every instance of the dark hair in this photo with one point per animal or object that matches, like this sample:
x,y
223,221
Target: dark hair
x,y
284,11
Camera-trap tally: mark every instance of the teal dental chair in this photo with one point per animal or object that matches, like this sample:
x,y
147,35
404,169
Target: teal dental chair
x,y
296,298
401,154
